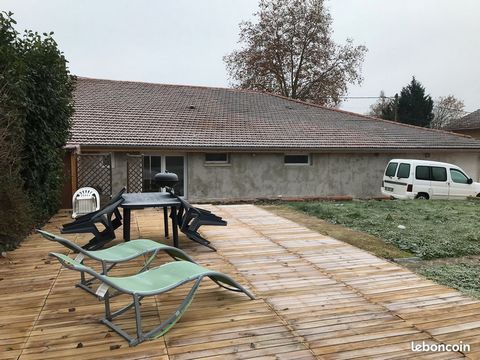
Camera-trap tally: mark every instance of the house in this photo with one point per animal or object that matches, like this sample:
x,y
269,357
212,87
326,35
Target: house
x,y
467,125
239,144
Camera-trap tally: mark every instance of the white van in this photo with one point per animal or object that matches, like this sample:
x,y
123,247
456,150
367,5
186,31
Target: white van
x,y
421,179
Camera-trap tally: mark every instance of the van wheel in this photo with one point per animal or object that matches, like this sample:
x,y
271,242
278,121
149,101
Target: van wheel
x,y
422,196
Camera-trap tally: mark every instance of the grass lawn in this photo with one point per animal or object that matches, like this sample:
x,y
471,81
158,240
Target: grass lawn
x,y
444,234
461,275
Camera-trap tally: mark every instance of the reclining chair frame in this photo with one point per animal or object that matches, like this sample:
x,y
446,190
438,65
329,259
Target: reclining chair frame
x,y
140,247
219,278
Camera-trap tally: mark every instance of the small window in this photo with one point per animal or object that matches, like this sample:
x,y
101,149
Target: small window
x,y
422,173
404,171
458,176
391,169
439,173
297,159
217,158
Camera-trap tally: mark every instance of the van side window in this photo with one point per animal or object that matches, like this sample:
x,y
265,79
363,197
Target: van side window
x,y
439,173
391,169
403,171
458,177
422,172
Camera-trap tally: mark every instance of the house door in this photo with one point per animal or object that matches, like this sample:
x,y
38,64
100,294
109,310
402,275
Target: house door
x,y
153,164
459,186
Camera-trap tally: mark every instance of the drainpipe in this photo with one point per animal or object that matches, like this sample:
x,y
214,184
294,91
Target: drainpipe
x,y
74,149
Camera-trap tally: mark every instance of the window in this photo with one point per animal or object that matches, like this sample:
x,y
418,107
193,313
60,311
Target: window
x,y
176,164
439,174
404,171
391,169
296,159
433,173
151,166
217,158
458,176
422,173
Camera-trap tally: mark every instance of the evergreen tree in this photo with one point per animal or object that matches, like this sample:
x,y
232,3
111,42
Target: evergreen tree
x,y
414,107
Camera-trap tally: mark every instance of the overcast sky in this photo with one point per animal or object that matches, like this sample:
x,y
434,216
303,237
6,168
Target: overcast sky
x,y
183,41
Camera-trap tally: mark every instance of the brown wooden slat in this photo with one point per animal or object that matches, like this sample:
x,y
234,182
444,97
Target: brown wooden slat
x,y
316,297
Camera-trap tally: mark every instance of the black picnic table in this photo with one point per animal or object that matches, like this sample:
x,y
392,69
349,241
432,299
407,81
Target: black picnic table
x,y
135,201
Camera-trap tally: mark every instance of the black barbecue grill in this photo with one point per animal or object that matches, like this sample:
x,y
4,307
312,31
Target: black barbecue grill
x,y
166,179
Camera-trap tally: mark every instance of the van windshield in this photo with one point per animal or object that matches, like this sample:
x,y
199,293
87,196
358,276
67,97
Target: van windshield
x,y
391,169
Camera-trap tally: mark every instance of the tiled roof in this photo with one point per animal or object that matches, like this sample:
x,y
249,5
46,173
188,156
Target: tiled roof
x,y
134,114
470,121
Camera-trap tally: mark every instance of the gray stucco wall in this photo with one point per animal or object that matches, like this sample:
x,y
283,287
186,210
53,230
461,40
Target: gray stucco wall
x,y
119,171
265,175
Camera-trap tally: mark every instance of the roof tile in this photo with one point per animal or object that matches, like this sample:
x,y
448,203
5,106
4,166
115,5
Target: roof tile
x,y
134,114
467,122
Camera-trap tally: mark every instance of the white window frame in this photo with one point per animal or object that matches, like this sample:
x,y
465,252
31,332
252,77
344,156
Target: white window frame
x,y
163,164
217,163
308,163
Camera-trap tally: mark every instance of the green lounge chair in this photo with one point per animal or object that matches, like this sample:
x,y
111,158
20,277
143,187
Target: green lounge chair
x,y
149,283
117,254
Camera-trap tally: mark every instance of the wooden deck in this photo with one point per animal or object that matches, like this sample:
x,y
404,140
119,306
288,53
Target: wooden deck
x,y
316,298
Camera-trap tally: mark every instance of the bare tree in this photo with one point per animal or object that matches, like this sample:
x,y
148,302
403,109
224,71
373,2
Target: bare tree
x,y
382,106
446,109
289,51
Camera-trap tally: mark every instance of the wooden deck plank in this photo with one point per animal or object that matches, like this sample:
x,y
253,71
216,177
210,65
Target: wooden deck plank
x,y
316,297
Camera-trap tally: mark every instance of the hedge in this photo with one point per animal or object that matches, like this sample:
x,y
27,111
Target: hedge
x,y
36,106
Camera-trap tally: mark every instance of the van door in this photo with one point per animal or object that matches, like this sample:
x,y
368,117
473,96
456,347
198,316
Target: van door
x,y
389,179
439,184
459,187
422,183
394,184
402,180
